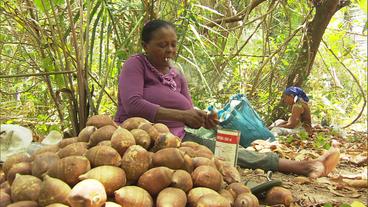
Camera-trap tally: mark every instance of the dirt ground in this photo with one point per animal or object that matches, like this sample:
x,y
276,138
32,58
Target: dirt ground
x,y
345,185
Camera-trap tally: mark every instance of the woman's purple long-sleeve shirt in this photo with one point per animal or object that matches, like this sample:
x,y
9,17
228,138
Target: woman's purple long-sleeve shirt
x,y
143,89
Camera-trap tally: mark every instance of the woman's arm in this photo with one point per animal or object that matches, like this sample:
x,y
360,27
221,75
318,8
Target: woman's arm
x,y
131,84
294,119
192,117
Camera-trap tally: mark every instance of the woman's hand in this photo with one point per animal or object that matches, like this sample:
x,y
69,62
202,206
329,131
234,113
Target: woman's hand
x,y
194,118
210,122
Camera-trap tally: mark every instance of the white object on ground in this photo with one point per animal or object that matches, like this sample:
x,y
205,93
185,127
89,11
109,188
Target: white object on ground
x,y
13,139
54,137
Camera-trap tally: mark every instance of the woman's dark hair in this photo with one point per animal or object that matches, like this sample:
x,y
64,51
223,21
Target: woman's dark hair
x,y
152,26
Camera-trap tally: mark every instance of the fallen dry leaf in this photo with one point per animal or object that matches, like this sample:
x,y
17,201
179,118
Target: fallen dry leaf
x,y
301,180
356,183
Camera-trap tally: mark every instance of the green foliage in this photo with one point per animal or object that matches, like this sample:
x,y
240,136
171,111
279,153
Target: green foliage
x,y
322,141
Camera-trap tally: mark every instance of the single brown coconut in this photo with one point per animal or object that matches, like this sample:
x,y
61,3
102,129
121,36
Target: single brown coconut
x,y
76,149
156,179
103,155
196,193
87,193
142,138
182,179
65,142
69,169
228,171
171,197
22,168
237,188
100,121
207,176
135,162
166,141
169,157
111,177
132,196
151,130
161,128
226,194
133,123
121,140
85,134
101,134
246,200
53,190
212,200
43,162
25,188
279,195
15,158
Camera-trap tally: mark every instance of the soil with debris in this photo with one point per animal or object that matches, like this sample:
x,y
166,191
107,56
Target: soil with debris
x,y
343,186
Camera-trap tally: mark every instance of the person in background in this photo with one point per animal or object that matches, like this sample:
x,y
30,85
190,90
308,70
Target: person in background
x,y
152,88
300,118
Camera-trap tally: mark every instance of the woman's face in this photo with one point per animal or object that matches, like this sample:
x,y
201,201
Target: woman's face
x,y
162,46
288,99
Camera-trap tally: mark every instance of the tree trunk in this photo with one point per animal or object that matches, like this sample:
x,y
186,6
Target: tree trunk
x,y
315,29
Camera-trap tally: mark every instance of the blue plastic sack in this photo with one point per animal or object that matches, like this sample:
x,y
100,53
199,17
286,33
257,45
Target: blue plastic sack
x,y
238,114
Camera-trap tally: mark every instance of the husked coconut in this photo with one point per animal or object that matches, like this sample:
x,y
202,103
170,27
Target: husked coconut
x,y
132,196
169,157
171,197
135,162
76,149
101,134
156,179
15,158
151,130
43,162
100,121
246,200
22,168
111,177
133,123
166,141
25,188
121,140
142,138
182,179
196,193
212,200
207,176
161,128
53,190
85,134
87,193
103,155
65,142
69,169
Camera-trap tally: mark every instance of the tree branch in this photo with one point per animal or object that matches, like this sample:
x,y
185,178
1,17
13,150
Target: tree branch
x,y
356,81
240,16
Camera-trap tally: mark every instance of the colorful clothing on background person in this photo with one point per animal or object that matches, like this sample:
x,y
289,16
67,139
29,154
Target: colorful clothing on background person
x,y
143,89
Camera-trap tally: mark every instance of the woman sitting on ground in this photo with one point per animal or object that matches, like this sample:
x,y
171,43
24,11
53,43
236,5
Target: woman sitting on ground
x,y
150,87
300,118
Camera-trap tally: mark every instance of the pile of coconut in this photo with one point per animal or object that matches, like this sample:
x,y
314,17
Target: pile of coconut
x,y
138,164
